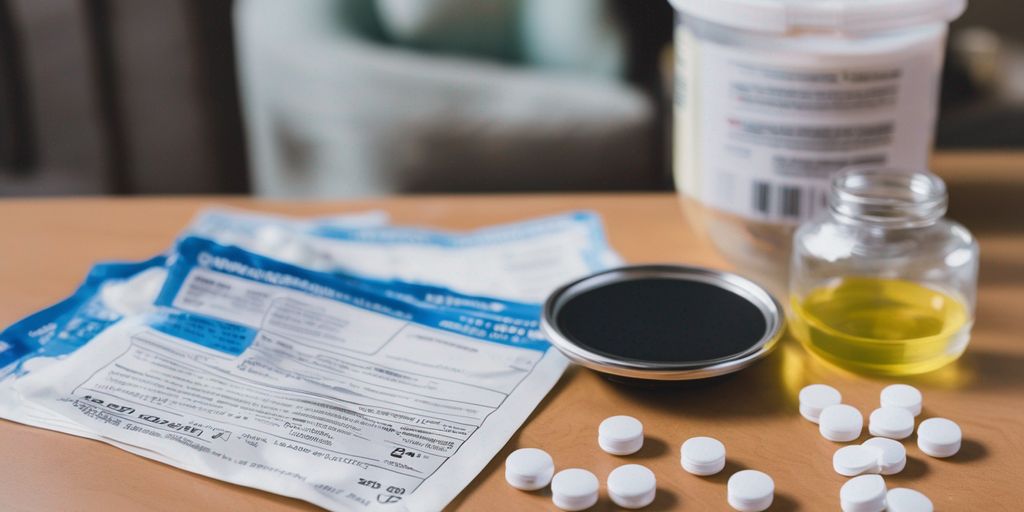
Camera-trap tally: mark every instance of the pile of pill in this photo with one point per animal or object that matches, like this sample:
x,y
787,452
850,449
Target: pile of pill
x,y
629,485
883,454
632,486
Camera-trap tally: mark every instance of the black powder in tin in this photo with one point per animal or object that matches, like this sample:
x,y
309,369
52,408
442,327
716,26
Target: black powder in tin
x,y
663,320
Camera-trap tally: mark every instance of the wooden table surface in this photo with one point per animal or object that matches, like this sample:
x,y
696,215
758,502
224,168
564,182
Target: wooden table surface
x,y
46,247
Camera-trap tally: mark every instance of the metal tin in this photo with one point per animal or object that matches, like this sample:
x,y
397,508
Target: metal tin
x,y
664,370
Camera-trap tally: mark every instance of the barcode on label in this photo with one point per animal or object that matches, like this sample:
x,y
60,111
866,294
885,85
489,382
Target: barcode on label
x,y
785,200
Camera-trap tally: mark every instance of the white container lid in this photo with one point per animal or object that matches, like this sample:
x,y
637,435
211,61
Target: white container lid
x,y
780,16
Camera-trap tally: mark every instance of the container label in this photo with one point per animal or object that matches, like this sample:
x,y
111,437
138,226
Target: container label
x,y
759,132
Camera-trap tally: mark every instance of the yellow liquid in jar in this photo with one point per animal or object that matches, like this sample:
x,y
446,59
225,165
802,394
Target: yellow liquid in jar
x,y
881,326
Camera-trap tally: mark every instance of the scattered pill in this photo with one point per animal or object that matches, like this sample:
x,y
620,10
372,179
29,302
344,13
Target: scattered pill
x,y
632,486
702,455
939,437
840,423
902,396
815,398
574,489
855,459
750,491
529,469
620,435
892,456
891,422
865,493
908,500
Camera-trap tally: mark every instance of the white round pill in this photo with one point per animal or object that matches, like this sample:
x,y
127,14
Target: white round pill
x,y
702,455
939,437
907,500
855,459
632,486
529,469
891,422
902,396
892,455
750,491
574,489
816,397
620,435
865,493
840,423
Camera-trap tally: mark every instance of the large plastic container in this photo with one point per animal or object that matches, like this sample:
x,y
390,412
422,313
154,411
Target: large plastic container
x,y
775,96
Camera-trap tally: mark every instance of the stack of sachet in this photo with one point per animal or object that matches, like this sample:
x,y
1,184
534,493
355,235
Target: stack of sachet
x,y
340,360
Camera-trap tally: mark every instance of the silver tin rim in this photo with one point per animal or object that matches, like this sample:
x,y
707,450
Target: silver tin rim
x,y
654,370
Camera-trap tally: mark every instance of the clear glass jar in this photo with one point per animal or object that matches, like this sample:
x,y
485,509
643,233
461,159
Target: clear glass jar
x,y
880,282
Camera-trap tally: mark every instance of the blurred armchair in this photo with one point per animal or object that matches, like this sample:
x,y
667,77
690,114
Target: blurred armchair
x,y
357,97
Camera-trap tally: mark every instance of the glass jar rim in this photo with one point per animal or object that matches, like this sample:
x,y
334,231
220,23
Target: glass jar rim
x,y
886,197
